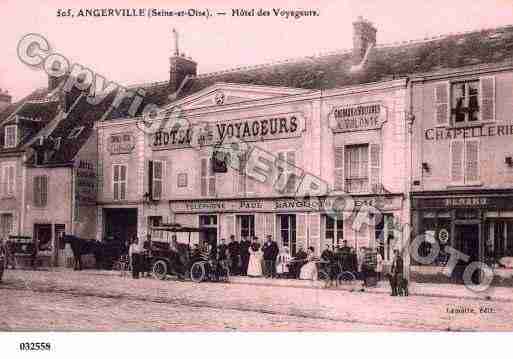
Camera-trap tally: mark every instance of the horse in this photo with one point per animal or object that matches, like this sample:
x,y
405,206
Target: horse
x,y
80,246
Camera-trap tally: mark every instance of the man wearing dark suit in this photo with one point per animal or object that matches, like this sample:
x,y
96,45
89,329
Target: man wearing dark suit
x,y
244,255
234,252
271,251
397,271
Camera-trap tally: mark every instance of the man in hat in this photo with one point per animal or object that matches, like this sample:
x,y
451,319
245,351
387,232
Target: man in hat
x,y
234,253
270,250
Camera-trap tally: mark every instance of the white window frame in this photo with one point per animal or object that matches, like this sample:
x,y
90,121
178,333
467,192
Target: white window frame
x,y
161,180
119,182
338,221
38,196
210,174
466,122
11,187
7,143
289,170
347,170
464,182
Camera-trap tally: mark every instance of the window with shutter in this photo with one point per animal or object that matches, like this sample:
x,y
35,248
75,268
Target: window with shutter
x,y
442,109
375,165
207,178
8,175
471,161
457,161
40,191
287,180
119,182
339,168
157,182
356,168
487,98
10,136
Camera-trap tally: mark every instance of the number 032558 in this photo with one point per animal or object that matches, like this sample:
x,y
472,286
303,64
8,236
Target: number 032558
x,y
35,346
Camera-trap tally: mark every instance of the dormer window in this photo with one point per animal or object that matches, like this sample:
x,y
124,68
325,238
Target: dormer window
x,y
75,132
11,135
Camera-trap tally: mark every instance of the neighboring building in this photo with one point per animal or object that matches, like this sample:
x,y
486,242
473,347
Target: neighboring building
x,y
462,181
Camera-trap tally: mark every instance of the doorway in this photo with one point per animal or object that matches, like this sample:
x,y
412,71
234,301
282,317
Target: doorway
x,y
466,241
120,224
209,224
287,229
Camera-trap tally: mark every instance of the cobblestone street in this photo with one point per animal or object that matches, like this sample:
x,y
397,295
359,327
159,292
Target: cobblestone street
x,y
67,300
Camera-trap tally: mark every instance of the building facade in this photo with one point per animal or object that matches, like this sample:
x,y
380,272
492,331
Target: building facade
x,y
465,200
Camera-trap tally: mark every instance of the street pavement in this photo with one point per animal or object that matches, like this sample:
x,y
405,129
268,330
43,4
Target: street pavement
x,y
95,300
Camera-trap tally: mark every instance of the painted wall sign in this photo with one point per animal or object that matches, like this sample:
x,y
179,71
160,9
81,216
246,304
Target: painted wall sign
x,y
283,205
440,134
85,183
249,130
121,143
469,202
360,117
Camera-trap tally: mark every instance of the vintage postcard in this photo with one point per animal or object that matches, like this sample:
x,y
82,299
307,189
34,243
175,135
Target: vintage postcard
x,y
194,166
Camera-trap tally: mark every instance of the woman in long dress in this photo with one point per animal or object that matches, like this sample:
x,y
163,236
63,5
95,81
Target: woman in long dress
x,y
255,260
309,270
282,262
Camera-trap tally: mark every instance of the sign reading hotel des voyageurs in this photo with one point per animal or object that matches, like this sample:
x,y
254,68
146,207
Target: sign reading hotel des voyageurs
x,y
357,117
279,126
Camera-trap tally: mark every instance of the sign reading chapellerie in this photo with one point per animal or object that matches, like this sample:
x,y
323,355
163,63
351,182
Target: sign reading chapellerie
x,y
359,117
440,134
251,129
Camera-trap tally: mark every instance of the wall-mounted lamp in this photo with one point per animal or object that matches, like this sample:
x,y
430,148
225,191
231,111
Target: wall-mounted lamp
x,y
147,198
425,166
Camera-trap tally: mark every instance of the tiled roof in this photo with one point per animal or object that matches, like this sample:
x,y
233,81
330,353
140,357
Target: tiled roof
x,y
333,70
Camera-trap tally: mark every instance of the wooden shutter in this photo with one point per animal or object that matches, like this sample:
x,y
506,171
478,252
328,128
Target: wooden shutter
x,y
442,103
315,231
10,180
44,190
203,176
158,171
471,160
122,178
229,225
269,224
487,90
115,182
375,167
301,230
150,177
457,160
339,168
35,190
211,178
260,226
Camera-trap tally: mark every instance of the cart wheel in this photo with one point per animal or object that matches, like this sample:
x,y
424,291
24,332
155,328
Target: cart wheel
x,y
160,269
226,274
198,272
323,275
345,277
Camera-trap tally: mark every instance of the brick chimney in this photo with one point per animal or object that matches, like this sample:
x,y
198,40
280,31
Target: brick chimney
x,y
180,66
5,99
364,34
54,81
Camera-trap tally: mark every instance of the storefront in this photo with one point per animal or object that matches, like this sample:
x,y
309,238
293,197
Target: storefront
x,y
296,223
476,223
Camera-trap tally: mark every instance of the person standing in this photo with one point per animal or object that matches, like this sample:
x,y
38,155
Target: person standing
x,y
234,252
396,271
134,253
270,250
255,259
244,255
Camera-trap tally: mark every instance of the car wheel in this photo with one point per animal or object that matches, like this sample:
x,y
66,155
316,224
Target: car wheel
x,y
160,269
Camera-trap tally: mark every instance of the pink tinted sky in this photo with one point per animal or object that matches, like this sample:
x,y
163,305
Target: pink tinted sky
x,y
135,50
